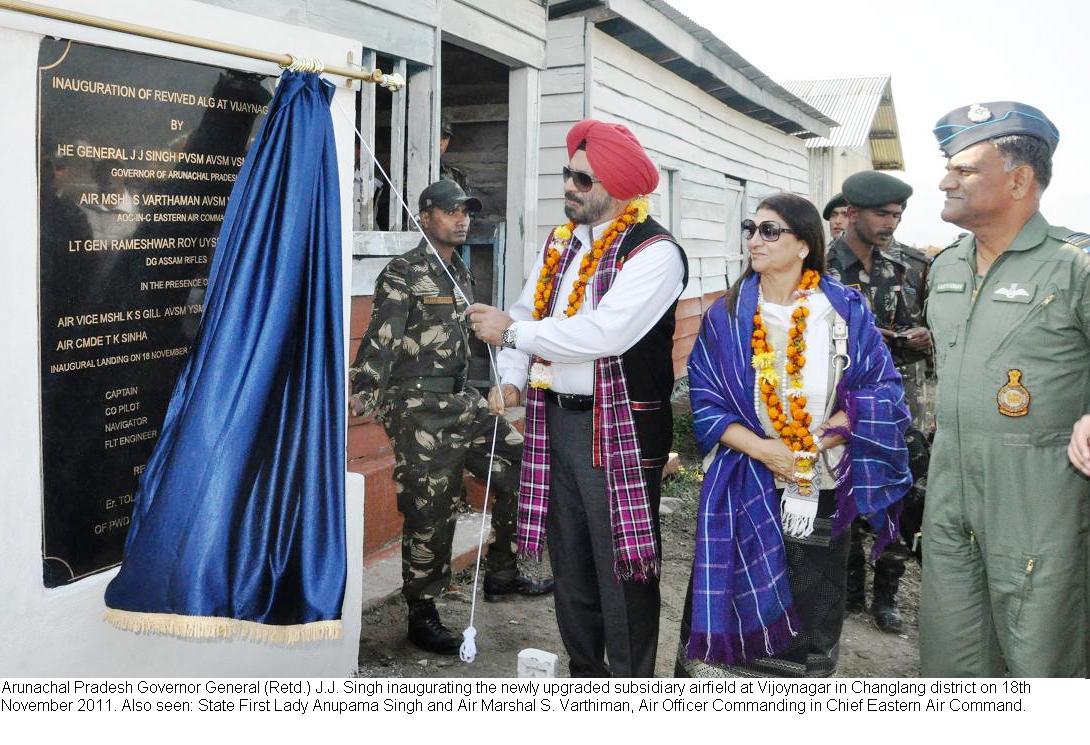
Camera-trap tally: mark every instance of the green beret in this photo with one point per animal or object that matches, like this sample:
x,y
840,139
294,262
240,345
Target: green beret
x,y
874,189
838,200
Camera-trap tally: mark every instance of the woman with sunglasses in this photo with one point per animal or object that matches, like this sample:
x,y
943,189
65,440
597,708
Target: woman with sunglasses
x,y
800,412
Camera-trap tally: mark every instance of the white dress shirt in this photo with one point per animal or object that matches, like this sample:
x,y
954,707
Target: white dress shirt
x,y
640,294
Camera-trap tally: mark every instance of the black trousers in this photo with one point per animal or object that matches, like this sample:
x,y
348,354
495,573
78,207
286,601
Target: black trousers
x,y
599,617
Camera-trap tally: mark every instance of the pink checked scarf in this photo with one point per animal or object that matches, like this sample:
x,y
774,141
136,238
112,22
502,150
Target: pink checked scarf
x,y
635,557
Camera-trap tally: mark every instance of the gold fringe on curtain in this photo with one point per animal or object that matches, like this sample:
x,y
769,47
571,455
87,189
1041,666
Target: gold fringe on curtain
x,y
213,627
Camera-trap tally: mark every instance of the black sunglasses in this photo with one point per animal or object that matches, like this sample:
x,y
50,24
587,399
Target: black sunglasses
x,y
769,230
583,181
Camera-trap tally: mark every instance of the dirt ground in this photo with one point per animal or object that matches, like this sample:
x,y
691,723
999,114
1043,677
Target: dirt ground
x,y
505,628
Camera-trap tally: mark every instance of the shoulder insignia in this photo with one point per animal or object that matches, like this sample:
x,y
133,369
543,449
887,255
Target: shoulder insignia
x,y
1079,240
956,242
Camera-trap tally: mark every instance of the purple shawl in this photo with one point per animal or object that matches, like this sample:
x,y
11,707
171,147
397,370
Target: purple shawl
x,y
615,449
741,601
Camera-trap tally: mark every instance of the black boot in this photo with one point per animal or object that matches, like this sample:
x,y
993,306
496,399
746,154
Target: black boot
x,y
520,584
855,600
428,632
887,576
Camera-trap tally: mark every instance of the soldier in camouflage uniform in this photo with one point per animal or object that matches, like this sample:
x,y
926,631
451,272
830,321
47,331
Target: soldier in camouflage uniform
x,y
893,279
410,371
446,170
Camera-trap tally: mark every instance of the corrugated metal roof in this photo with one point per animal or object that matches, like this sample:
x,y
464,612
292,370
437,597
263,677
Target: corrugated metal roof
x,y
864,108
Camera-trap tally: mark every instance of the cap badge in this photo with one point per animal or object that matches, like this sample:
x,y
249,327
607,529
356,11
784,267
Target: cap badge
x,y
978,113
1013,398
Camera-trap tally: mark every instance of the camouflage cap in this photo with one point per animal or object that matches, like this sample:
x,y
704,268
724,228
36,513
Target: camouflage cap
x,y
978,122
446,195
838,200
874,189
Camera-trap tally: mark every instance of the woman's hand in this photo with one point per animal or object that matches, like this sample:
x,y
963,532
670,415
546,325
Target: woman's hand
x,y
778,458
837,420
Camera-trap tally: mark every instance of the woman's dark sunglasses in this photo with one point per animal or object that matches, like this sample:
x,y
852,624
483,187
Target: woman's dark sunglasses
x,y
769,230
583,181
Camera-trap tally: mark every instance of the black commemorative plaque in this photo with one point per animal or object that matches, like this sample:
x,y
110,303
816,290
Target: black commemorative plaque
x,y
137,157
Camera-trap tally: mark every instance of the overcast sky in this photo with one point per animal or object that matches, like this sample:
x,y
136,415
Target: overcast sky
x,y
940,55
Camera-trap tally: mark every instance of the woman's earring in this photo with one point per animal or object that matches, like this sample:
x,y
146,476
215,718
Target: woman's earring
x,y
803,254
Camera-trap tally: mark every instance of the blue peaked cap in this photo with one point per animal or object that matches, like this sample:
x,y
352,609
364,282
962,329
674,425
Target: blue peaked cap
x,y
977,122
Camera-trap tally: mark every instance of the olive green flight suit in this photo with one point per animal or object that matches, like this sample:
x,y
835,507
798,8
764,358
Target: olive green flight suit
x,y
1005,585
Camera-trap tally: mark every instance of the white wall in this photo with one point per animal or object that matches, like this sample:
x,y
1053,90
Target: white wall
x,y
60,632
511,31
685,129
401,28
829,166
565,99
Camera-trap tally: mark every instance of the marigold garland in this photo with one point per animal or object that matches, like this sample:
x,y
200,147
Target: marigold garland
x,y
794,431
634,214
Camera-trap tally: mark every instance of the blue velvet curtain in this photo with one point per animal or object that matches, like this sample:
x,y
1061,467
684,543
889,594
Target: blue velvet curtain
x,y
238,524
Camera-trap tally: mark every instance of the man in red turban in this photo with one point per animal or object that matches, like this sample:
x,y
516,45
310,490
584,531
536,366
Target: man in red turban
x,y
616,156
592,334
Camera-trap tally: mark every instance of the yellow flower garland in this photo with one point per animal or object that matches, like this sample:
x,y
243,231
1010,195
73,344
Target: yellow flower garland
x,y
795,432
635,213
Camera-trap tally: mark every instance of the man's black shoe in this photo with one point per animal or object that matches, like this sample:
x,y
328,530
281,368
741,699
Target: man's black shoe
x,y
428,632
495,590
887,618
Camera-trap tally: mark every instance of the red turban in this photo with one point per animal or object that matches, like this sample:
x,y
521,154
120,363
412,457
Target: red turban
x,y
617,157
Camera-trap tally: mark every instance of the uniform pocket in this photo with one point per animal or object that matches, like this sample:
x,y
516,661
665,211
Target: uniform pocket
x,y
945,341
1030,322
1024,582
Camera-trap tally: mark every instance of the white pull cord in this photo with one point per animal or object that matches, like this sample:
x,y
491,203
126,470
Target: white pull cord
x,y
468,651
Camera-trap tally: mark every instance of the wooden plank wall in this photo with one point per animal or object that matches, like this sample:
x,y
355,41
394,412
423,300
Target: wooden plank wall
x,y
511,31
563,103
523,144
708,145
394,27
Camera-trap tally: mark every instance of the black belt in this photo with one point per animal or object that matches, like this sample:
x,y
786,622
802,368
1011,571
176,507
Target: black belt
x,y
659,462
570,401
430,383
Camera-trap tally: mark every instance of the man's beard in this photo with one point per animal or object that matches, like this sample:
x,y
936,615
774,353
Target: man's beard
x,y
590,210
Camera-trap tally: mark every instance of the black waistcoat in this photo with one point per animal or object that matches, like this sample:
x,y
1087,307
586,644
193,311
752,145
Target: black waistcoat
x,y
648,364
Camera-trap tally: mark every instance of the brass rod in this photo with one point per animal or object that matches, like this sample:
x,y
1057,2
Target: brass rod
x,y
284,60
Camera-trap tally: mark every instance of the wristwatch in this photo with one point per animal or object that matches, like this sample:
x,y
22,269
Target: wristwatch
x,y
507,340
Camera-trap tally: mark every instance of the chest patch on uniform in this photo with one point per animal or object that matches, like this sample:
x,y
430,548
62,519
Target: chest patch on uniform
x,y
1013,398
1015,292
439,300
950,287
